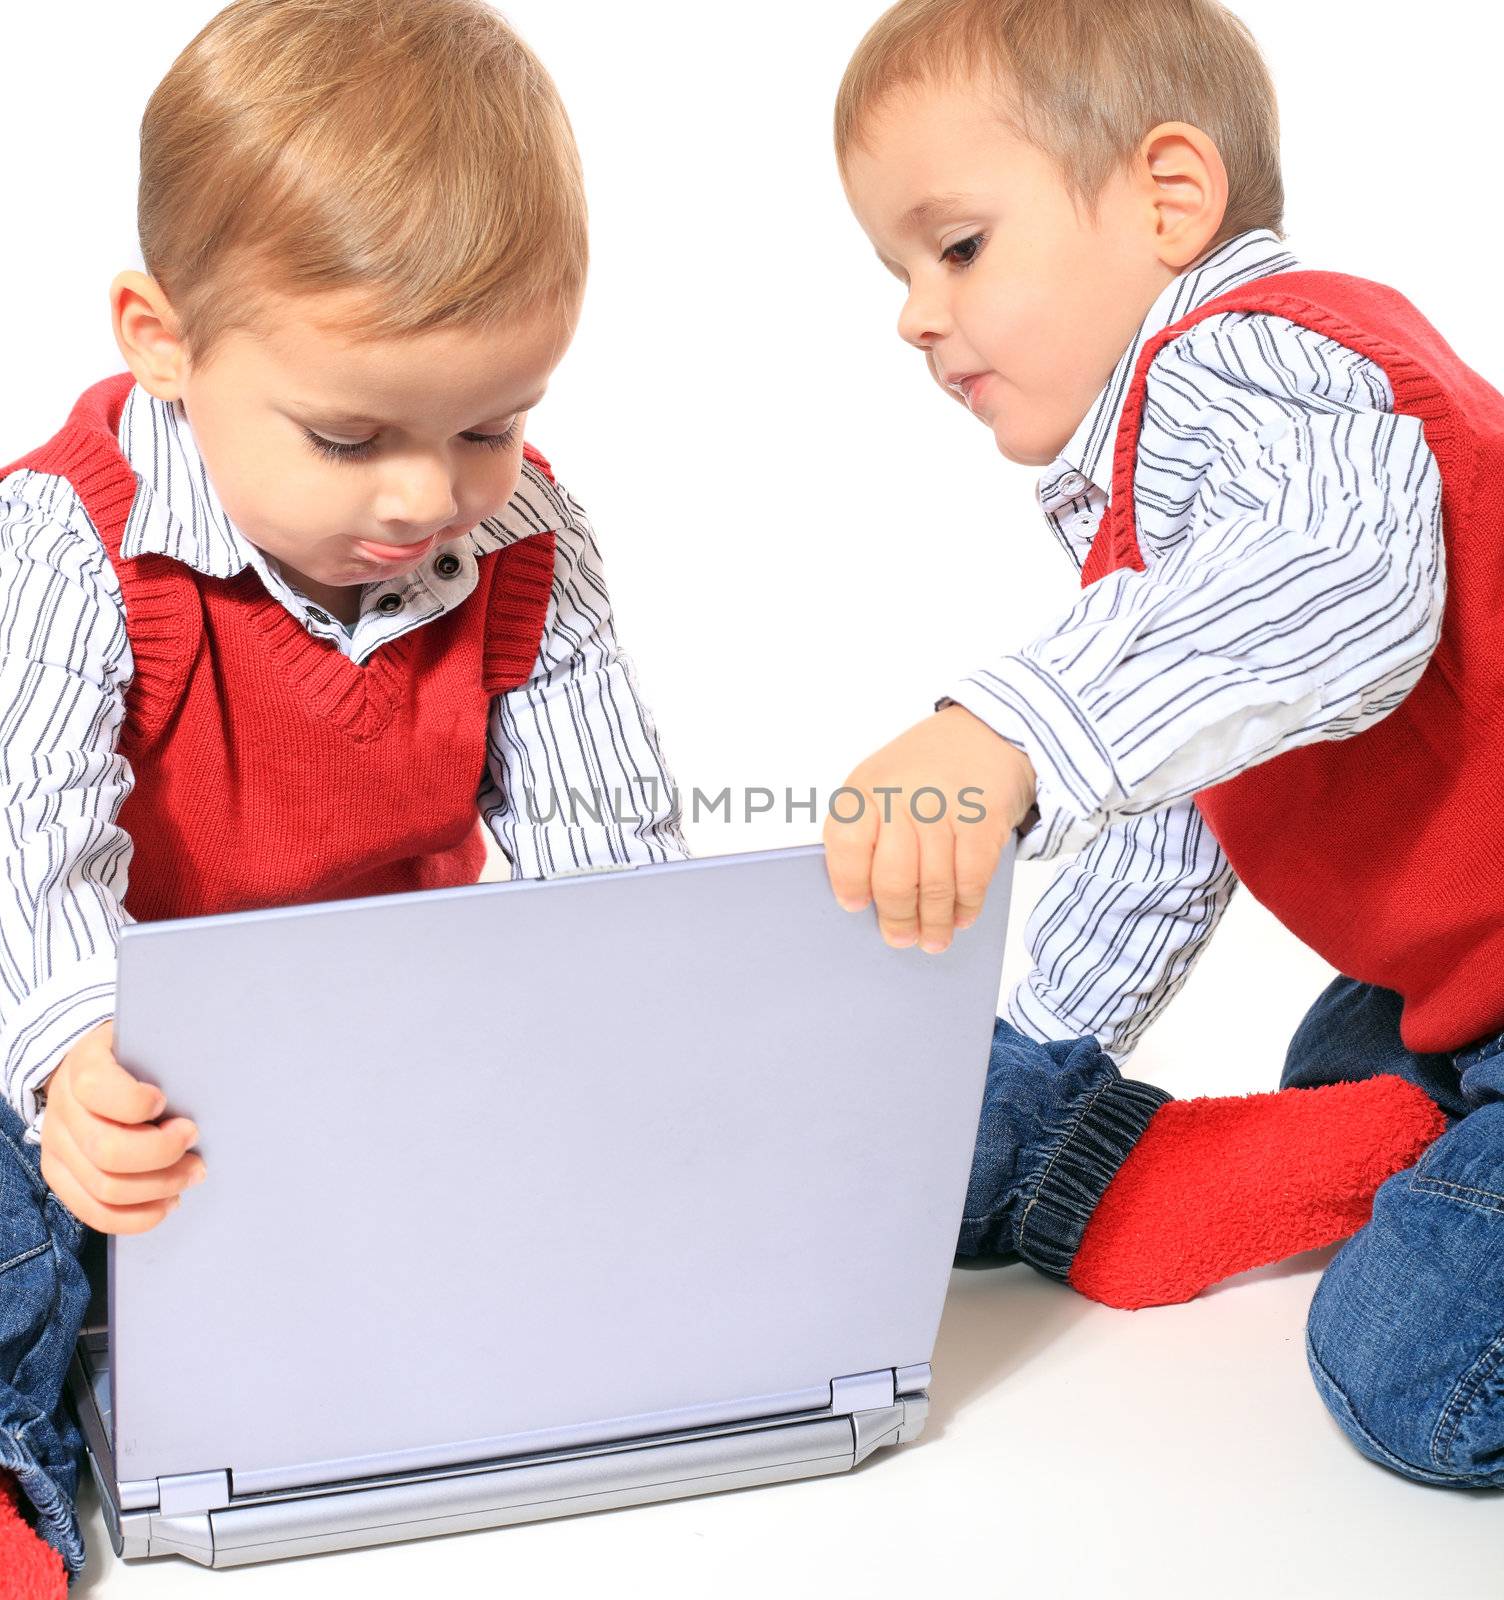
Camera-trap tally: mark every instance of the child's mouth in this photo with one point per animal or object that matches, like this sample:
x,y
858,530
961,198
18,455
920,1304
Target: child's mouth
x,y
395,554
969,387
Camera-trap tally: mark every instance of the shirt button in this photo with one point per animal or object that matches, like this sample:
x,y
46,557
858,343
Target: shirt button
x,y
317,615
1072,483
389,603
447,564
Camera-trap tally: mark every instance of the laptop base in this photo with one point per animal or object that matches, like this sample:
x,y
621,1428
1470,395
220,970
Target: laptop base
x,y
199,1517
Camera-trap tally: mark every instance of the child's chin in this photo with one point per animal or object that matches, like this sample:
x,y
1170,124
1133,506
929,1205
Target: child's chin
x,y
1022,452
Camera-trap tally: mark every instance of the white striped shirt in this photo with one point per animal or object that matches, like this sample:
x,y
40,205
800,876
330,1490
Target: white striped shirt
x,y
1290,525
65,663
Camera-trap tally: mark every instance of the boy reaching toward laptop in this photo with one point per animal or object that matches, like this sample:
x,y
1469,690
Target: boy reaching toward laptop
x,y
1281,488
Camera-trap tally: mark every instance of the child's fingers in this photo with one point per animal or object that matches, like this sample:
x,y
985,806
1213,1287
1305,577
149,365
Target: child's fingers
x,y
103,1086
895,881
61,1161
977,856
848,853
123,1188
123,1147
937,885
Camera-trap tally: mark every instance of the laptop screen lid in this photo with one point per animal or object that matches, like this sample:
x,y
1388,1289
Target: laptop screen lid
x,y
524,1166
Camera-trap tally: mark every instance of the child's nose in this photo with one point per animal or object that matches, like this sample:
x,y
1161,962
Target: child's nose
x,y
417,505
922,322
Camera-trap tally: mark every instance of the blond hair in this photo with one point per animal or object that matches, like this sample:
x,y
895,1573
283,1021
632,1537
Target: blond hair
x,y
1084,81
413,149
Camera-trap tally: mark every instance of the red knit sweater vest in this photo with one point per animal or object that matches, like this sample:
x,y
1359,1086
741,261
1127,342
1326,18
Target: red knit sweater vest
x,y
1384,852
269,769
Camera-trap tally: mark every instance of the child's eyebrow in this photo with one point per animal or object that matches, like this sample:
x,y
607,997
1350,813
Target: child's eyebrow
x,y
921,215
353,419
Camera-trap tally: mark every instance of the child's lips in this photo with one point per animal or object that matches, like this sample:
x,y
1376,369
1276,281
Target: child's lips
x,y
393,553
969,386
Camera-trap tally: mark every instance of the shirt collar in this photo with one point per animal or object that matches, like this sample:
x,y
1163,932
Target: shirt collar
x,y
177,511
1246,256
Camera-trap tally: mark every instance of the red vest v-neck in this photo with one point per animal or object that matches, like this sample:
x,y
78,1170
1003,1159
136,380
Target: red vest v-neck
x,y
269,768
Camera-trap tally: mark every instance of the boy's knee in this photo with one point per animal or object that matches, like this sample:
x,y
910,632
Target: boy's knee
x,y
42,1280
1406,1381
23,1193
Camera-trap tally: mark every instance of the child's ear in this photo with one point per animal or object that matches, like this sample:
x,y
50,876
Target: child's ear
x,y
1184,181
146,331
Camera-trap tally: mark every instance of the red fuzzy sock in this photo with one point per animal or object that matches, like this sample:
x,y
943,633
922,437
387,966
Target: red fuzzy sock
x,y
1216,1186
30,1569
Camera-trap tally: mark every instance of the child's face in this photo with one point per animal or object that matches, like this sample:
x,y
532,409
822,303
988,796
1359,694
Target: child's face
x,y
1005,281
443,443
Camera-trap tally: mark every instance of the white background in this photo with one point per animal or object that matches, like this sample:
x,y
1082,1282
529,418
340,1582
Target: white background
x,y
806,541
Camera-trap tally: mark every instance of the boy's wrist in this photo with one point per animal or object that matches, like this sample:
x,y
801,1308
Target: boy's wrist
x,y
1024,783
1049,820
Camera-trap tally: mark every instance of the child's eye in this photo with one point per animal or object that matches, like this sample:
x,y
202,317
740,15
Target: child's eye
x,y
358,452
964,251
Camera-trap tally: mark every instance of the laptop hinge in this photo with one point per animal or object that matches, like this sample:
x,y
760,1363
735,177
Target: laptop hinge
x,y
912,1380
181,1524
862,1391
191,1492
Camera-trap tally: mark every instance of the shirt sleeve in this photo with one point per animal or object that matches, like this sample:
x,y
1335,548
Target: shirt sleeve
x,y
576,779
1290,523
64,665
1115,936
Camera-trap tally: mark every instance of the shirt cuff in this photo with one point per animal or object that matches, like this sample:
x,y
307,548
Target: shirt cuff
x,y
1033,1018
1073,770
46,1025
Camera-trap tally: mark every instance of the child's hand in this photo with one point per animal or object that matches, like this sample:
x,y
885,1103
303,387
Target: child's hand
x,y
112,1166
928,877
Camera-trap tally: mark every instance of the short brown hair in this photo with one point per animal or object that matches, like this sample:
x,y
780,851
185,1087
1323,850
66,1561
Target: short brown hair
x,y
413,148
1084,81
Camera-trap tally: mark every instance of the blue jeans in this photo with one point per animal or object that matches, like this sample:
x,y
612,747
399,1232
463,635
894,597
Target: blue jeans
x,y
1058,1120
1405,1335
44,1294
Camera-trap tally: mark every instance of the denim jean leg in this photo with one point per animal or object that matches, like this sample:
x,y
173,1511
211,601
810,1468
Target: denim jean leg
x,y
44,1295
1352,1032
1405,1336
1057,1122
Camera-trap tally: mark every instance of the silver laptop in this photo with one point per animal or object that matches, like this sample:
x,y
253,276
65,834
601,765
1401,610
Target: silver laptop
x,y
531,1198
